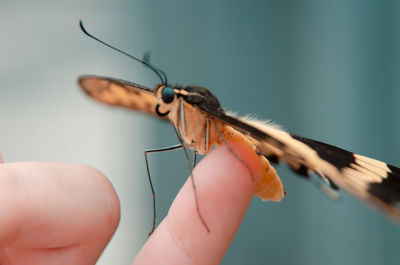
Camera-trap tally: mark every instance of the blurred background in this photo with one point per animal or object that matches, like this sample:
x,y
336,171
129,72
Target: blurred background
x,y
328,70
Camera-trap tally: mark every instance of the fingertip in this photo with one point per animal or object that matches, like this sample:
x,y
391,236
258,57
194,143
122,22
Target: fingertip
x,y
107,195
224,188
224,185
60,191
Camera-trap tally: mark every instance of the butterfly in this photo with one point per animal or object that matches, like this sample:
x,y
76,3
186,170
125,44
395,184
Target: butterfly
x,y
200,122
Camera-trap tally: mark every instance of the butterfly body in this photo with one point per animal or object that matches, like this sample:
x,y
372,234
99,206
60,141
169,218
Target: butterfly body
x,y
200,131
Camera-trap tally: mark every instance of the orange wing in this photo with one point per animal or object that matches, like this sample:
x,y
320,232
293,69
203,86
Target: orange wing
x,y
118,92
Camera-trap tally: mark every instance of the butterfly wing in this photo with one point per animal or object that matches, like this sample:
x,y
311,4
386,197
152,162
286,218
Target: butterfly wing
x,y
118,92
372,181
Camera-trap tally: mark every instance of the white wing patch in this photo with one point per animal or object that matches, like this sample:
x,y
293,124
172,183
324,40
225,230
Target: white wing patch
x,y
378,170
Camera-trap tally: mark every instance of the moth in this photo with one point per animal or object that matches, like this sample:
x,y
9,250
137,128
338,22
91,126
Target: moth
x,y
200,122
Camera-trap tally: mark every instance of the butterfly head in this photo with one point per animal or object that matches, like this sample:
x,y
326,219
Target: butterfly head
x,y
167,99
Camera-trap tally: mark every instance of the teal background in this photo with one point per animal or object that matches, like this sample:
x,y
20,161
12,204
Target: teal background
x,y
327,70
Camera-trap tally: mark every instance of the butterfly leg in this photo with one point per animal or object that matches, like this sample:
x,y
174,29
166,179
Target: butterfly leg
x,y
190,166
166,149
328,188
194,158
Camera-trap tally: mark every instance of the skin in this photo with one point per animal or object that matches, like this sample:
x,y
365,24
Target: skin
x,y
60,213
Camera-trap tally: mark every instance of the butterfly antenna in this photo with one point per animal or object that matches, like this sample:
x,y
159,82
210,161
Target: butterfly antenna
x,y
146,58
160,73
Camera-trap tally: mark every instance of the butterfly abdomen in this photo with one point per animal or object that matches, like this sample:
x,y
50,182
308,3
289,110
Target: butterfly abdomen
x,y
269,185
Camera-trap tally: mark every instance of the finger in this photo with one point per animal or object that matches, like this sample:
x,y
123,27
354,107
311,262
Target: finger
x,y
55,206
224,188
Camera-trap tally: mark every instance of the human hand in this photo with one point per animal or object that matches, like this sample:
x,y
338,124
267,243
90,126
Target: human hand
x,y
56,213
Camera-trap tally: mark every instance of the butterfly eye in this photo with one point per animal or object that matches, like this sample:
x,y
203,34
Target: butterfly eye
x,y
167,94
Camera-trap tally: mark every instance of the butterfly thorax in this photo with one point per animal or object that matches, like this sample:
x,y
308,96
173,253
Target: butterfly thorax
x,y
196,128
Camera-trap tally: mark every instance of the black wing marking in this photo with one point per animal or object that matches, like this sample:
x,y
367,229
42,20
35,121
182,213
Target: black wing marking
x,y
372,181
118,92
